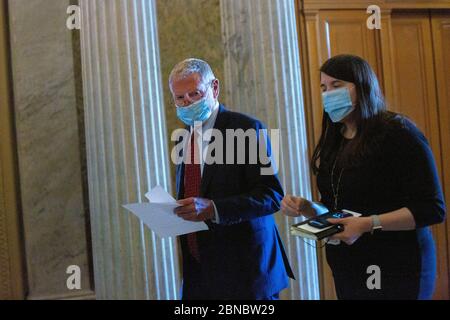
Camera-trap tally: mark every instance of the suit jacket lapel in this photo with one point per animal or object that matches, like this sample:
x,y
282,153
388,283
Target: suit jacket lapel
x,y
179,170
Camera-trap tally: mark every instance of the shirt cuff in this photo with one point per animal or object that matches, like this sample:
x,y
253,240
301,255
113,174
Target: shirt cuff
x,y
216,218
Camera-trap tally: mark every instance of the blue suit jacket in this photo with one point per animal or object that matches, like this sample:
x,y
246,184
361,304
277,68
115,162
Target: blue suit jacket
x,y
243,256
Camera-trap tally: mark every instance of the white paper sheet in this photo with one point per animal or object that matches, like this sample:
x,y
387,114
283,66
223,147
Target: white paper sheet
x,y
159,195
159,217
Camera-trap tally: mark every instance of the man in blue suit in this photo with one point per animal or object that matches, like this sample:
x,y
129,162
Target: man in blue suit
x,y
241,256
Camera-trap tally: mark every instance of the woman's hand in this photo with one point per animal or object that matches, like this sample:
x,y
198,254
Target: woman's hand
x,y
296,206
354,228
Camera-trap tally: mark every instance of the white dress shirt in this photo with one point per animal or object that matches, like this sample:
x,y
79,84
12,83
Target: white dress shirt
x,y
203,139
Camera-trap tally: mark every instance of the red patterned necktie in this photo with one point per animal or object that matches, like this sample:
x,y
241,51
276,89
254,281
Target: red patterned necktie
x,y
192,182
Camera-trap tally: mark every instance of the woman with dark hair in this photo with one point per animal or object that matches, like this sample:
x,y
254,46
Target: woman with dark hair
x,y
378,164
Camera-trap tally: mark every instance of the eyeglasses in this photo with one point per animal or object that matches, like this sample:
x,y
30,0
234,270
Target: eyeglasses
x,y
192,96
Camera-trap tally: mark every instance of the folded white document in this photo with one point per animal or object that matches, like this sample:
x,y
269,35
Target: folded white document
x,y
159,217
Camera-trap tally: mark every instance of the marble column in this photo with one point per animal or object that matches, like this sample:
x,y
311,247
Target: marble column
x,y
263,79
126,147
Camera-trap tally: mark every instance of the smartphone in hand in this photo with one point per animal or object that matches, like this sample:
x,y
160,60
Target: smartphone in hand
x,y
320,222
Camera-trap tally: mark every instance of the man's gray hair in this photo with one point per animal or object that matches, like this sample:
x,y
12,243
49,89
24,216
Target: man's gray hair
x,y
189,66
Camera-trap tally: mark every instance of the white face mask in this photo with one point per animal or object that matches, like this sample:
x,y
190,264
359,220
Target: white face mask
x,y
338,104
199,111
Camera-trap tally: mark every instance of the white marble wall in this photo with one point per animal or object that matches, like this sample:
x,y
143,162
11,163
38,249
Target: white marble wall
x,y
127,134
48,138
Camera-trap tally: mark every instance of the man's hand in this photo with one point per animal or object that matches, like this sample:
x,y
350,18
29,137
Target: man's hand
x,y
354,227
195,209
296,206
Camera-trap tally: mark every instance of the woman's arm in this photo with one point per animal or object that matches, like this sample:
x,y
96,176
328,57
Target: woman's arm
x,y
423,202
354,228
399,220
418,177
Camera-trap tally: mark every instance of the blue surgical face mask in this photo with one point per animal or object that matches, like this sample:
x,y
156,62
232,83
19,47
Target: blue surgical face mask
x,y
199,111
338,104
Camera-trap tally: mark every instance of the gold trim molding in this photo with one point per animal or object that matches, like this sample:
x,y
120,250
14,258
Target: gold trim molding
x,y
11,264
314,5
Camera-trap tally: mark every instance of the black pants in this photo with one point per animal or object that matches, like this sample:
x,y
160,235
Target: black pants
x,y
392,288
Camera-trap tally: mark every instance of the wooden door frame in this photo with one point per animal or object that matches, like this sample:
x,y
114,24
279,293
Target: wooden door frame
x,y
444,114
12,276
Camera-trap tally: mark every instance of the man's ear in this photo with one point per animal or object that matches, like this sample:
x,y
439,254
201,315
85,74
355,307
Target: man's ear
x,y
216,88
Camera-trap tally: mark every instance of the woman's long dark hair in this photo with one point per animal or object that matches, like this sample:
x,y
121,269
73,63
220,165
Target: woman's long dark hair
x,y
369,114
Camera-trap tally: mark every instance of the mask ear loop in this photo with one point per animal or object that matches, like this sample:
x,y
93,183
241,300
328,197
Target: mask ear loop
x,y
206,96
353,88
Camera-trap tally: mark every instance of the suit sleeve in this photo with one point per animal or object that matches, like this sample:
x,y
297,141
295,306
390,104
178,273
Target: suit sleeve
x,y
419,178
264,193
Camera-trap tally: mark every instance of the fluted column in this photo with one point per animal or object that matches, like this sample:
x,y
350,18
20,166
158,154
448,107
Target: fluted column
x,y
263,78
127,147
